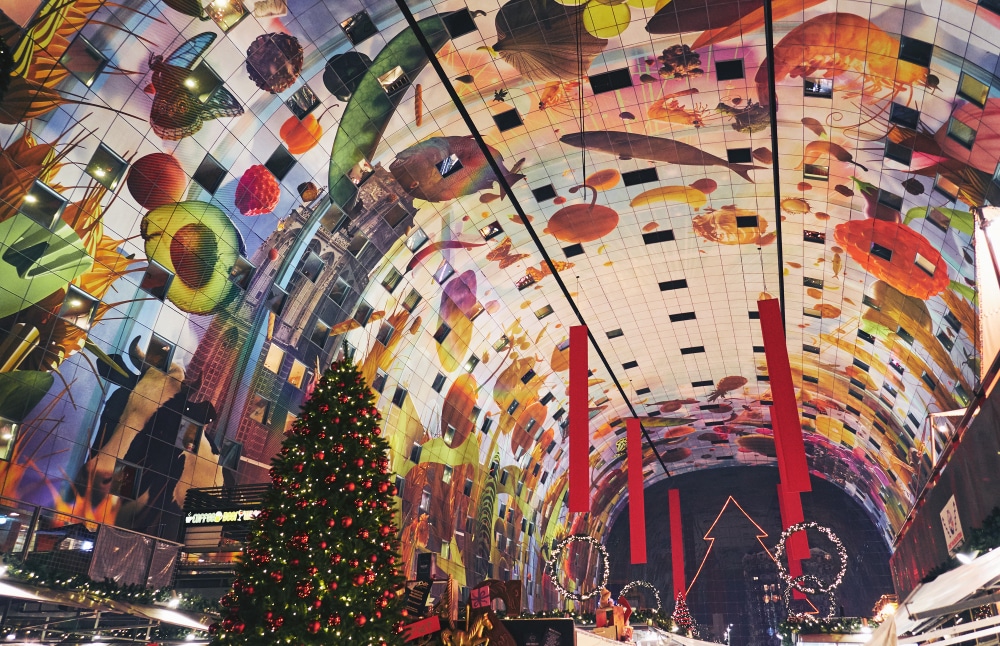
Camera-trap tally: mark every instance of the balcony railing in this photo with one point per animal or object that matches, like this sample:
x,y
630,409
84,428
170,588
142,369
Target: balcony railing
x,y
70,545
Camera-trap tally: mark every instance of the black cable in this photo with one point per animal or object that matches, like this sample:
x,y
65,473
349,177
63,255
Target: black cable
x,y
772,109
505,186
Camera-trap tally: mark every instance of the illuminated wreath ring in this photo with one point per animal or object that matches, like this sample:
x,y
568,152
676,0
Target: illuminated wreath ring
x,y
806,617
799,582
556,556
642,584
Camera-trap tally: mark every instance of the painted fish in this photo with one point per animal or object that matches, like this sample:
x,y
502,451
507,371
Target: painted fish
x,y
417,169
838,263
630,145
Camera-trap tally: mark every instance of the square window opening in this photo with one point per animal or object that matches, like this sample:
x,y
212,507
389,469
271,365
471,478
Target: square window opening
x,y
156,280
280,163
816,172
107,167
818,87
729,70
302,102
394,81
416,240
448,165
508,120
359,28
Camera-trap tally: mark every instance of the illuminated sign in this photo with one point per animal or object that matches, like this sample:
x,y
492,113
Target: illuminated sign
x,y
220,517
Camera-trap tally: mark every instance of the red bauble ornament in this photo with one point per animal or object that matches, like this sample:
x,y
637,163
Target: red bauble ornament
x,y
331,522
319,455
354,562
299,467
350,486
322,502
330,479
314,627
313,570
360,620
333,585
279,622
333,620
367,484
338,448
277,576
359,580
322,545
354,420
323,408
373,558
360,462
383,487
321,435
363,533
336,558
317,604
359,503
378,614
347,521
280,520
385,530
336,420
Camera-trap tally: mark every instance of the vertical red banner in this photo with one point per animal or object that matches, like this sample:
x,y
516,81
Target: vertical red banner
x,y
636,492
790,505
676,541
579,421
790,447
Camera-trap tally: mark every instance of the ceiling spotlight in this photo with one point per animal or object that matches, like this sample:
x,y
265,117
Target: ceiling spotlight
x,y
967,557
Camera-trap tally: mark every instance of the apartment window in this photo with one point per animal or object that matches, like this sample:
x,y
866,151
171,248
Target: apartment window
x,y
961,133
125,479
392,279
973,90
385,333
359,28
399,396
8,435
818,87
83,60
43,204
378,384
107,167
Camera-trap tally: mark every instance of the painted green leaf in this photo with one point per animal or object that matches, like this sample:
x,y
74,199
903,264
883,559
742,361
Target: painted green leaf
x,y
369,110
104,358
21,390
964,290
961,221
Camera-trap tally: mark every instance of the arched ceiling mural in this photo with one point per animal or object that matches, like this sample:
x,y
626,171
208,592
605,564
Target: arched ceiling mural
x,y
203,204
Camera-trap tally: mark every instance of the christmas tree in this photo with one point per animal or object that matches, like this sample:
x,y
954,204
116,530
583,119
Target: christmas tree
x,y
682,617
320,565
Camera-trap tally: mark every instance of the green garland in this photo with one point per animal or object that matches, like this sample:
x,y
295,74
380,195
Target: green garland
x,y
47,576
789,628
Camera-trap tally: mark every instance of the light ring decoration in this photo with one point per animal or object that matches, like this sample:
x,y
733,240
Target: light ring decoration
x,y
556,556
799,582
804,616
642,584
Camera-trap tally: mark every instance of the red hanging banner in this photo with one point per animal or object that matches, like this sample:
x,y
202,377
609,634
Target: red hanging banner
x,y
579,422
676,541
636,492
790,506
790,447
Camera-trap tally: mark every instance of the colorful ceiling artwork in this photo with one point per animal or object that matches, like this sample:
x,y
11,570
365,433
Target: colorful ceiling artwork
x,y
201,205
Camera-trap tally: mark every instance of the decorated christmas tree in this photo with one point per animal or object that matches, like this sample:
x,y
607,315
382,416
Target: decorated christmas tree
x,y
320,564
682,617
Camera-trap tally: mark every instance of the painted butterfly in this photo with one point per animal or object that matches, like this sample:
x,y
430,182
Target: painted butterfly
x,y
177,110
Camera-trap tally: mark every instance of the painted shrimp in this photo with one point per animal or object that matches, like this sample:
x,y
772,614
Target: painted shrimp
x,y
670,110
843,43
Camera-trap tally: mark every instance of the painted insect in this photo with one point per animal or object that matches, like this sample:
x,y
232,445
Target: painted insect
x,y
177,110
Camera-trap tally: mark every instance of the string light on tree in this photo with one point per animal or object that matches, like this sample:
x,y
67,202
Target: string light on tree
x,y
683,620
642,584
320,565
555,559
